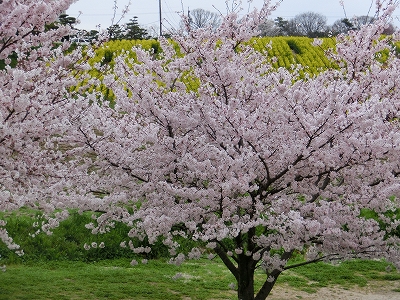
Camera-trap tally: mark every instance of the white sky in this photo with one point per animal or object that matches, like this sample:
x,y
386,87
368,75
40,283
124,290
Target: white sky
x,y
100,12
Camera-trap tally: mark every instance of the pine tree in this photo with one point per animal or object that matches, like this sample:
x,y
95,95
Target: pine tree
x,y
134,31
115,32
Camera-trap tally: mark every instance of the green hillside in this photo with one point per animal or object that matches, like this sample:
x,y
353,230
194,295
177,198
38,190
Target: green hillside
x,y
282,52
286,50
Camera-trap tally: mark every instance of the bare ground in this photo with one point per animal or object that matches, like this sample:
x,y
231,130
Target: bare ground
x,y
373,291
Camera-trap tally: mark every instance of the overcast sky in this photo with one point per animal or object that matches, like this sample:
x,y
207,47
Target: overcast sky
x,y
100,12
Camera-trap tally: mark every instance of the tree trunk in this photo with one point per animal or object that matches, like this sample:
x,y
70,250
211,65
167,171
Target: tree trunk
x,y
245,278
246,284
244,274
267,286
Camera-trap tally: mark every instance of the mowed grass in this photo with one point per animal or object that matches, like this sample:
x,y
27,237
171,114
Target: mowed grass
x,y
348,274
116,279
201,279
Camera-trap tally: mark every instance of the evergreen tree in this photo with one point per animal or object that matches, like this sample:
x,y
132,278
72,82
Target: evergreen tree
x,y
134,31
65,19
115,32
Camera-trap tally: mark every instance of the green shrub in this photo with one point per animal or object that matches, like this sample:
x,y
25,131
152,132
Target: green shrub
x,y
108,56
67,241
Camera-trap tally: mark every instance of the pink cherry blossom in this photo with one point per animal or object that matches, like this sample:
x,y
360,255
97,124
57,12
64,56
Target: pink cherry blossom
x,y
219,143
206,141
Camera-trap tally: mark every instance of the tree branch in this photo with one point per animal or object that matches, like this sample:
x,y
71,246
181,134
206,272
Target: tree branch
x,y
228,263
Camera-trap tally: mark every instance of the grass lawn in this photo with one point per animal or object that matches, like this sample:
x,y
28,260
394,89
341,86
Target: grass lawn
x,y
115,279
202,279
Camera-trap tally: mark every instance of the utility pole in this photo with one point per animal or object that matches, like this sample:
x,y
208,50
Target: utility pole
x,y
189,18
159,11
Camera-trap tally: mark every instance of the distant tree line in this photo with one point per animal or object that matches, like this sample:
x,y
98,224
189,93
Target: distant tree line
x,y
308,24
314,25
129,31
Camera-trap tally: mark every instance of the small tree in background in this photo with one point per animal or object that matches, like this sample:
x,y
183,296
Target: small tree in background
x,y
132,31
269,28
200,18
342,26
92,35
361,21
115,32
284,26
64,19
309,24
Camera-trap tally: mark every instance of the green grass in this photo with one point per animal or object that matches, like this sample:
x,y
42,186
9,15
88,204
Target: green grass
x,y
347,274
115,279
201,279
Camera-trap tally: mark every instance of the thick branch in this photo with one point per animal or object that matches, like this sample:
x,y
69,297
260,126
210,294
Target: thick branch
x,y
271,280
228,263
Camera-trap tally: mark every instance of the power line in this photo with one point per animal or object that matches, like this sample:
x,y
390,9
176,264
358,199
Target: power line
x,y
172,14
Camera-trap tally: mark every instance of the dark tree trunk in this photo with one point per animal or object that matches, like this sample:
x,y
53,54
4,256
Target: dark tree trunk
x,y
244,274
245,278
267,287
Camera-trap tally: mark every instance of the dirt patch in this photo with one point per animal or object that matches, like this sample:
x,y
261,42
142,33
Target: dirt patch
x,y
374,291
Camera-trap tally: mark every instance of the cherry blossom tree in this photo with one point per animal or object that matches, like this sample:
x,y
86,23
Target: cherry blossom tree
x,y
37,71
211,143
